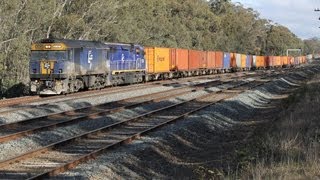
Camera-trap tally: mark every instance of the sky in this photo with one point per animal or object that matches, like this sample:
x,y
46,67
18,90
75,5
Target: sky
x,y
298,15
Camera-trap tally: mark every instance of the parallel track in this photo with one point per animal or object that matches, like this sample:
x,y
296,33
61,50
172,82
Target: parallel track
x,y
12,102
17,103
69,153
22,128
73,151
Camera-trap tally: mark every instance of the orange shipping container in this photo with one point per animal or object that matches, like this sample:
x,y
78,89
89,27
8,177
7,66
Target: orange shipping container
x,y
260,61
291,60
243,60
197,60
278,61
233,61
284,60
211,59
270,61
179,59
219,59
158,59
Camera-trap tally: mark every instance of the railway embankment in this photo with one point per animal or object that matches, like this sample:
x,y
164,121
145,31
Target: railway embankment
x,y
271,131
289,146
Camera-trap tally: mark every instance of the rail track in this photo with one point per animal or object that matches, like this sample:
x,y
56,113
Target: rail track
x,y
70,152
66,154
16,104
18,100
12,102
19,129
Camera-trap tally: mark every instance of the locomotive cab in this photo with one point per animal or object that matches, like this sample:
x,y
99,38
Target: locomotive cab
x,y
49,62
66,66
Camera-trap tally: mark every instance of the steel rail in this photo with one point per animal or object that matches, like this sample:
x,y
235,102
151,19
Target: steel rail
x,y
95,153
55,123
105,91
56,144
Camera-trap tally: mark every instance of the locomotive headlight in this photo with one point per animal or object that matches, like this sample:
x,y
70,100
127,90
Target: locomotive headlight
x,y
48,47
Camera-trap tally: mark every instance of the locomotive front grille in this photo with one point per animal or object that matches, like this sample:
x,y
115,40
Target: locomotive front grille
x,y
47,67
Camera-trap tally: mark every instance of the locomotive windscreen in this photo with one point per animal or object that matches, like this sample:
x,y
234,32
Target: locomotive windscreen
x,y
48,55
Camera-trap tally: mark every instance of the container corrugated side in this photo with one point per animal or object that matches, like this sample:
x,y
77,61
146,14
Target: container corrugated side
x,y
194,59
226,60
248,61
243,61
284,60
211,59
254,61
158,59
179,60
233,60
238,60
219,59
278,61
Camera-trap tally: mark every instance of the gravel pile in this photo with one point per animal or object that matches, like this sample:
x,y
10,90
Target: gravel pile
x,y
183,150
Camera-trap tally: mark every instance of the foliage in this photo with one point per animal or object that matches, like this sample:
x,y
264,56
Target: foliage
x,y
197,24
312,46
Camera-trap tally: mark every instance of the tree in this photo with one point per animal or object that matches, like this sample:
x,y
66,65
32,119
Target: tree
x,y
194,24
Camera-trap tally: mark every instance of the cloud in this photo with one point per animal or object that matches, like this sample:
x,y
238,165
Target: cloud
x,y
297,15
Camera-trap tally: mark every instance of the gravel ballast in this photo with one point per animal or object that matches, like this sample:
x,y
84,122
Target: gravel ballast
x,y
170,152
186,149
41,139
68,105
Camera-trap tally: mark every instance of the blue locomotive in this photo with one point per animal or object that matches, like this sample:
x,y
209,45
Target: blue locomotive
x,y
60,66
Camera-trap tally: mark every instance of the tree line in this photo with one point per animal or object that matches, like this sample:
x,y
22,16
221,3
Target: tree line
x,y
197,24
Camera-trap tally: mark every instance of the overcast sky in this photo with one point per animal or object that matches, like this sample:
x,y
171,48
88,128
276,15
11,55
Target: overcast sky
x,y
298,15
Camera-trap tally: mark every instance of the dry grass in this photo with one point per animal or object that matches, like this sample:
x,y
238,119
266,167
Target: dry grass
x,y
291,147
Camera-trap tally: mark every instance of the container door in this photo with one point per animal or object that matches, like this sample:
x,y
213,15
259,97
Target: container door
x,y
150,59
173,60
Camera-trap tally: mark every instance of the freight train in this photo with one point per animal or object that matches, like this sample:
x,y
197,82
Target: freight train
x,y
61,66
